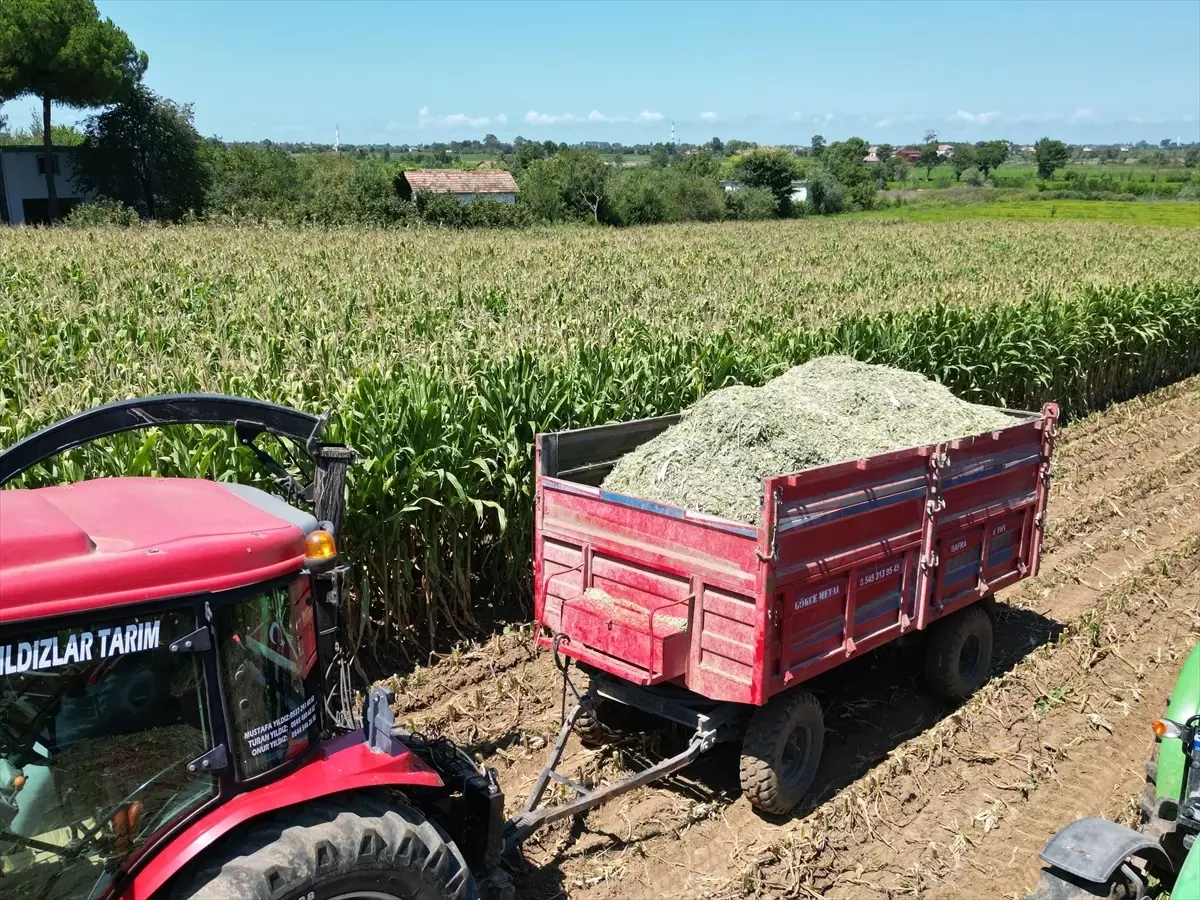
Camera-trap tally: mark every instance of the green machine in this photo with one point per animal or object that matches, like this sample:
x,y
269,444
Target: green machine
x,y
1095,858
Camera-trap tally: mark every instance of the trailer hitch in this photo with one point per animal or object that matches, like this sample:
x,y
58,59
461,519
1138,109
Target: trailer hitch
x,y
532,817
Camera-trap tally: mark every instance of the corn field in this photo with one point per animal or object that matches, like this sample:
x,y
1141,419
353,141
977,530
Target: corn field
x,y
442,354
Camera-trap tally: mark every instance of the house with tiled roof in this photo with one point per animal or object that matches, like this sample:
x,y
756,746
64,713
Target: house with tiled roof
x,y
466,185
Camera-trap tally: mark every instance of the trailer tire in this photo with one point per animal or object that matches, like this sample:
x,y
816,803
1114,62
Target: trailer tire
x,y
781,751
959,656
323,850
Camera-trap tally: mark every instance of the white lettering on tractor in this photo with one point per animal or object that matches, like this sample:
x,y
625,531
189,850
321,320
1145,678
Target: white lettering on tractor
x,y
958,545
292,726
52,652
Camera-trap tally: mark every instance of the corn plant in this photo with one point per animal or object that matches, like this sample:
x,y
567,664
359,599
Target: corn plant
x,y
443,354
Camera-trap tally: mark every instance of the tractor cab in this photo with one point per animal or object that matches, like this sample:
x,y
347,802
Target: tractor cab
x,y
118,709
172,672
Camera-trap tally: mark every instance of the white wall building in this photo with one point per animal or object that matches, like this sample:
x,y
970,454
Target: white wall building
x,y
23,198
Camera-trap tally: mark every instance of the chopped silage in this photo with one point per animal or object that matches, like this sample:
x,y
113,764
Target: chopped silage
x,y
830,409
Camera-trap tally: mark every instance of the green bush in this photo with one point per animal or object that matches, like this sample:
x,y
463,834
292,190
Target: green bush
x,y
445,210
826,195
102,212
646,196
973,177
341,191
750,204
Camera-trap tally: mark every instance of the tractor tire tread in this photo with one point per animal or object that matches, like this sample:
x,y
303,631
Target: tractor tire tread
x,y
288,853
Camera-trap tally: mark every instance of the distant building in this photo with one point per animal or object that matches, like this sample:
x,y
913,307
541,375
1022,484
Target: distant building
x,y
23,198
945,150
872,155
908,155
798,192
463,184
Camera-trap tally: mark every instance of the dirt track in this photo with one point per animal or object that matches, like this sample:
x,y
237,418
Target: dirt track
x,y
918,799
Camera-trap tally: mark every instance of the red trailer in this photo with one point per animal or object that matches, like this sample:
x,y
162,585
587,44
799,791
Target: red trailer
x,y
715,623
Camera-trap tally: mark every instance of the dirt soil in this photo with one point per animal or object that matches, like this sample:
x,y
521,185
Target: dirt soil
x,y
917,798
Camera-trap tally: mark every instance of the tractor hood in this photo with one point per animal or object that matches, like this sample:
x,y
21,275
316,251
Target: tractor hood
x,y
121,540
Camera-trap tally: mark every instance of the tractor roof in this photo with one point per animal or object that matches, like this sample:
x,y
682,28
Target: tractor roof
x,y
111,541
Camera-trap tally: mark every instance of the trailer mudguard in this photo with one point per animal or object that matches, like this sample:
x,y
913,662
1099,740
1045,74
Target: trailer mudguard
x,y
1093,849
1185,703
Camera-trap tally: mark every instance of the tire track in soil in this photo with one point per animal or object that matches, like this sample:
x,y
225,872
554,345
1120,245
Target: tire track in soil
x,y
1125,492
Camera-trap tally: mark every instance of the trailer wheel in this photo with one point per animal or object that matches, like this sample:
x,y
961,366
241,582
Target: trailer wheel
x,y
959,655
782,751
323,851
603,721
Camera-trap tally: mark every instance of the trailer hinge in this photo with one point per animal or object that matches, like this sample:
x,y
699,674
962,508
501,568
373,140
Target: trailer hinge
x,y
215,760
196,642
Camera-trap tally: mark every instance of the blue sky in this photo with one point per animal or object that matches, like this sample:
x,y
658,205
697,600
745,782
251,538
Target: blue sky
x,y
771,72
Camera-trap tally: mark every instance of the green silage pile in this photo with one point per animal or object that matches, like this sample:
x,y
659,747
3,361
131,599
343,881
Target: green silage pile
x,y
829,409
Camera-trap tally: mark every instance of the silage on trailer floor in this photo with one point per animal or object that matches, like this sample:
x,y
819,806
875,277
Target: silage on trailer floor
x,y
829,409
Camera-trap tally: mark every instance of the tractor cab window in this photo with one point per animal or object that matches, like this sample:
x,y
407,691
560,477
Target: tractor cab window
x,y
97,726
268,656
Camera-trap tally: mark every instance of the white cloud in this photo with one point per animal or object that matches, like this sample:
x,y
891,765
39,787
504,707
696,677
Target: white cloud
x,y
596,116
464,119
708,116
453,120
501,119
823,120
1187,117
1037,117
983,118
393,125
886,122
1083,114
533,117
647,116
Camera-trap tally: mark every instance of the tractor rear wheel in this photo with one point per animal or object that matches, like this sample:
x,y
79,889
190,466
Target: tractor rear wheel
x,y
959,656
325,851
781,751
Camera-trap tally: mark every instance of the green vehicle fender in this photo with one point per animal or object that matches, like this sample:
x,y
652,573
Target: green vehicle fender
x,y
1185,703
1187,884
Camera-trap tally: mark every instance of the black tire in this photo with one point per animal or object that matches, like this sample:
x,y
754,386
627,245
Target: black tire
x,y
592,725
331,849
959,656
1055,884
603,721
781,751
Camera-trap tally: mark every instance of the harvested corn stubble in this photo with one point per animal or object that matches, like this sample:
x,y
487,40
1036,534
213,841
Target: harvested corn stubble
x,y
830,409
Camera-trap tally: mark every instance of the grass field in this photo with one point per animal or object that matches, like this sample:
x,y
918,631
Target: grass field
x,y
1168,214
442,353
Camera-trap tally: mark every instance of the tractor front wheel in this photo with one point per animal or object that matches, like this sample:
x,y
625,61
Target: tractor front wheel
x,y
324,851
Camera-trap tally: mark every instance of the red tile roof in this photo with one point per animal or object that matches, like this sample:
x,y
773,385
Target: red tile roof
x,y
459,181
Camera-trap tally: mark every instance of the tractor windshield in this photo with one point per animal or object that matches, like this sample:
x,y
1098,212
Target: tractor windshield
x,y
268,654
97,726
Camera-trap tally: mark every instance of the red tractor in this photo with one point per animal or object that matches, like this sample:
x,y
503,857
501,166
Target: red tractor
x,y
175,713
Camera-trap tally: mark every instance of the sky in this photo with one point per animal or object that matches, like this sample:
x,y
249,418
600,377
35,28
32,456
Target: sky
x,y
397,73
